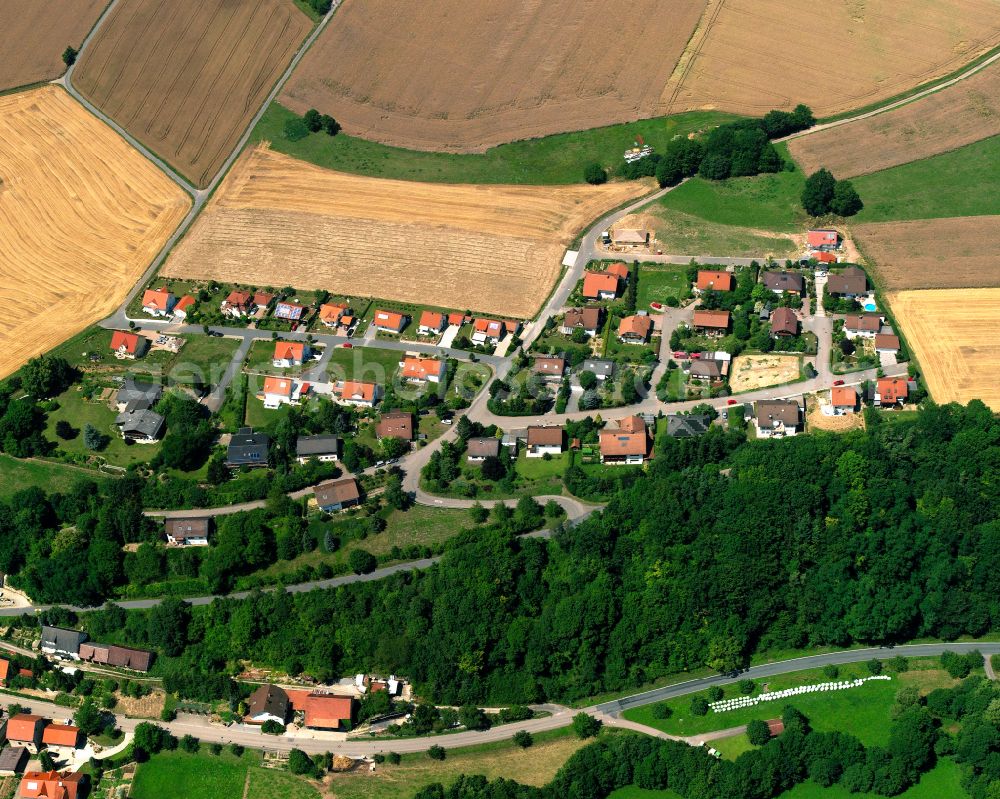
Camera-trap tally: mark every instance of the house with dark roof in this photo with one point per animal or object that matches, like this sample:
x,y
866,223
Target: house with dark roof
x,y
544,440
13,759
137,396
247,448
601,369
865,325
586,319
705,369
549,367
784,323
187,531
267,703
395,424
142,427
61,641
851,282
781,282
324,448
777,418
335,495
479,449
123,657
687,425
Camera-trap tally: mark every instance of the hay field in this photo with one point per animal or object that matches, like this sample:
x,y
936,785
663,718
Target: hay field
x,y
464,75
497,249
946,120
751,372
953,252
82,215
33,36
755,55
186,77
953,333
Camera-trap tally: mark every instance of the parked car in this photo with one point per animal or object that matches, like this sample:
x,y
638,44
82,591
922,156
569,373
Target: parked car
x,y
347,345
680,354
731,402
838,382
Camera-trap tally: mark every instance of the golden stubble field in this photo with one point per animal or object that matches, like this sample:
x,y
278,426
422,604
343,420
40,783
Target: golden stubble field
x,y
961,114
464,75
753,55
186,77
81,213
953,334
954,252
497,249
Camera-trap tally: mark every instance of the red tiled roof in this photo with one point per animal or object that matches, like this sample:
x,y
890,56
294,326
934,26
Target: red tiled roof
x,y
282,386
886,341
825,257
822,238
843,397
716,319
50,785
491,327
619,270
120,339
289,350
892,389
238,299
596,283
457,319
331,311
422,368
715,280
326,711
545,436
388,319
60,735
4,669
640,326
432,319
22,727
398,424
355,389
184,303
156,298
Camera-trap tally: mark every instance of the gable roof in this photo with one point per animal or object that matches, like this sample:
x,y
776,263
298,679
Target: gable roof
x,y
289,310
599,366
62,638
159,299
545,436
238,299
851,281
635,326
289,350
706,367
784,320
262,298
715,280
715,319
334,492
886,341
268,699
397,424
133,390
50,785
491,327
865,323
422,368
616,443
619,270
892,389
23,727
356,390
632,424
843,396
281,386
60,735
389,319
784,411
822,238
142,422
122,340
784,281
587,318
482,447
246,446
305,446
13,758
331,311
187,527
597,283
327,711
184,303
432,319
687,425
548,365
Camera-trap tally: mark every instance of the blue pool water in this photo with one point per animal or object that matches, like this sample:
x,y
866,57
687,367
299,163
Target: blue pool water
x,y
870,306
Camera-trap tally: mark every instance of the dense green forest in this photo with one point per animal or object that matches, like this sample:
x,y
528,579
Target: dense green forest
x,y
725,548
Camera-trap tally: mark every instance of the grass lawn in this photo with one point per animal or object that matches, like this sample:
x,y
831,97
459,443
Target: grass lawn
x,y
555,159
77,350
259,417
862,711
540,468
261,357
206,357
950,184
269,783
534,766
364,363
186,776
944,780
686,234
732,747
16,475
629,353
656,283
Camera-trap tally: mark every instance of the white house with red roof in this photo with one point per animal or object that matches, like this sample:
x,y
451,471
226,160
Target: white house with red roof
x,y
488,331
128,345
422,370
158,302
356,392
280,391
182,307
431,323
822,240
289,353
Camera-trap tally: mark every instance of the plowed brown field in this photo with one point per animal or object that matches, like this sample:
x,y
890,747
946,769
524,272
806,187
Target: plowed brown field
x,y
464,75
835,56
957,252
186,77
276,220
82,215
943,121
954,336
33,35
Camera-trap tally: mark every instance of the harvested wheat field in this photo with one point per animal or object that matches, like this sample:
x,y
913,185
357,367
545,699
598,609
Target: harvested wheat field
x,y
750,56
82,215
458,75
33,36
962,114
186,77
751,372
953,333
955,252
277,220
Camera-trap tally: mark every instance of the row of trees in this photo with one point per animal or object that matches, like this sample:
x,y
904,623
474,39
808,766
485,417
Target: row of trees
x,y
312,121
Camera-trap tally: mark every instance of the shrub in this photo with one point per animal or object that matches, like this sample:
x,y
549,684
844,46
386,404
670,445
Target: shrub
x,y
874,666
758,733
394,758
189,744
361,561
699,706
661,710
831,672
747,687
523,739
436,752
585,725
299,762
595,174
296,130
715,693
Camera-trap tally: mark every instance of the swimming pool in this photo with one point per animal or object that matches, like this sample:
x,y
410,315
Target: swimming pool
x,y
870,306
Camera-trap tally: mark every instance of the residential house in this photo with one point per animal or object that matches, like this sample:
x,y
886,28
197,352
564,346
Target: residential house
x,y
289,353
324,448
886,343
512,438
782,282
714,280
706,369
52,785
61,739
330,313
183,306
188,531
488,331
687,425
891,391
289,311
335,495
389,321
123,657
865,325
237,304
713,323
278,391
25,729
544,440
629,444
549,367
776,418
479,449
158,302
635,329
586,319
600,286
142,426
396,424
422,370
822,240
128,345
328,712
5,674
356,392
850,283
262,301
844,399
137,396
431,323
457,319
824,257
630,238
784,323
13,759
61,641
247,448
600,368
619,270
267,703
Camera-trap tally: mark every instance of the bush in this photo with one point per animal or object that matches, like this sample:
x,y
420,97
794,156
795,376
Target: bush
x,y
661,710
874,666
758,733
94,439
65,430
747,687
523,739
296,130
236,749
190,744
699,706
299,762
831,672
362,561
715,693
595,174
436,752
393,757
272,727
585,725
215,748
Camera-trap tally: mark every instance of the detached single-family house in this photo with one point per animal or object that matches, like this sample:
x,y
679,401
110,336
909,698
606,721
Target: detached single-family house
x,y
324,448
280,391
784,323
866,325
389,321
635,329
891,391
182,307
600,368
335,495
61,641
237,304
190,531
289,353
267,703
600,286
479,449
549,367
356,392
25,729
824,257
330,313
488,331
13,759
158,302
52,785
886,343
128,345
247,448
714,280
822,240
776,418
586,319
61,739
422,370
137,396
457,319
289,311
619,270
123,657
142,427
687,425
431,323
844,399
328,712
705,369
629,444
262,301
396,424
850,283
544,440
713,323
781,282
627,237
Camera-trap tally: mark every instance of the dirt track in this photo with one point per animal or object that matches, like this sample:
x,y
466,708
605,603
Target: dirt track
x,y
461,75
496,249
186,77
82,215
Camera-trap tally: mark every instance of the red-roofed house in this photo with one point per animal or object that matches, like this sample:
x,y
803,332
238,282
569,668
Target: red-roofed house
x,y
822,239
282,390
389,321
237,304
825,257
4,671
431,323
844,399
456,319
711,322
891,391
25,730
635,329
714,280
488,331
290,353
330,313
887,342
61,736
544,440
600,286
619,270
396,424
183,306
355,392
422,370
629,444
158,302
52,785
128,345
328,712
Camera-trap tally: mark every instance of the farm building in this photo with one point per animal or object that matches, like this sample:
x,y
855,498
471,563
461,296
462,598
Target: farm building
x,y
600,286
844,399
784,323
289,353
328,712
479,449
822,240
782,282
431,322
356,392
422,370
714,280
336,495
852,282
190,531
289,311
128,345
61,641
13,759
635,329
711,322
247,448
628,445
396,424
544,440
776,418
627,237
140,426
549,367
324,448
586,319
389,321
237,304
158,302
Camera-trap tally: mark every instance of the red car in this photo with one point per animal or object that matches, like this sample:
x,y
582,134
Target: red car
x,y
680,355
838,382
730,402
347,345
695,356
